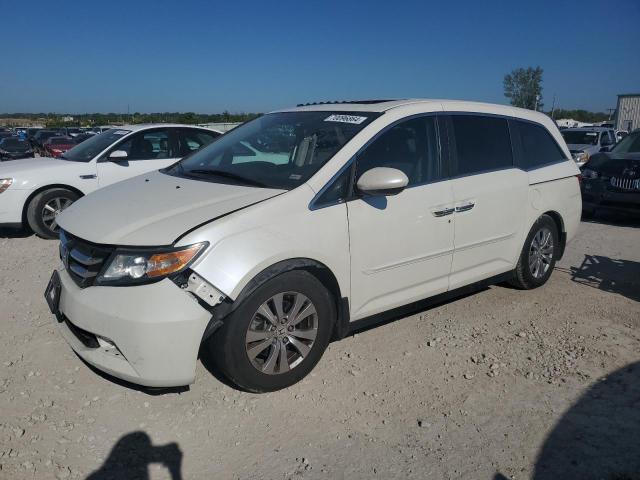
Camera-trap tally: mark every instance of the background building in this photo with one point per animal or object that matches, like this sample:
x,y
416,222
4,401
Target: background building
x,y
628,112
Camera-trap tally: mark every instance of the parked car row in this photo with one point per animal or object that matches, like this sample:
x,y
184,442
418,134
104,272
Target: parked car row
x,y
39,142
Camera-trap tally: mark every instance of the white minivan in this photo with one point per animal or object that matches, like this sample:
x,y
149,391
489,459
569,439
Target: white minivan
x,y
304,224
34,191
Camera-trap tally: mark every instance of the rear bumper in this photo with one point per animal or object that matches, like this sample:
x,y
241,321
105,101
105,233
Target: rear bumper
x,y
149,334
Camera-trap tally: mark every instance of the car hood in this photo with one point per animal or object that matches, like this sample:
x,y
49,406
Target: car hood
x,y
610,164
154,209
19,168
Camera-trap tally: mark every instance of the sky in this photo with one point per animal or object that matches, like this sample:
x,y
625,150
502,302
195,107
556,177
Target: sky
x,y
256,56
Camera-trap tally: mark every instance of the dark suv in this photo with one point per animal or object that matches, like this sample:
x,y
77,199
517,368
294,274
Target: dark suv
x,y
611,180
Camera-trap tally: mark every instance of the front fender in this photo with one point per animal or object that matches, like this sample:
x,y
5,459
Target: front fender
x,y
279,229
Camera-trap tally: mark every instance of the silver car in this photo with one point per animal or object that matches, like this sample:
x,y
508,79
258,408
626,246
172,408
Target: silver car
x,y
587,141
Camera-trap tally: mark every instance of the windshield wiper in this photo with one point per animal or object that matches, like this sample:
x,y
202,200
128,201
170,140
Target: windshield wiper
x,y
226,174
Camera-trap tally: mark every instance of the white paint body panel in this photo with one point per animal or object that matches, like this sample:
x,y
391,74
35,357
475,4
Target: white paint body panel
x,y
154,209
156,349
281,228
114,172
488,236
400,251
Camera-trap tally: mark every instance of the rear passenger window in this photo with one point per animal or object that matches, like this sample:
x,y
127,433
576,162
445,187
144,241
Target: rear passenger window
x,y
537,145
411,146
481,143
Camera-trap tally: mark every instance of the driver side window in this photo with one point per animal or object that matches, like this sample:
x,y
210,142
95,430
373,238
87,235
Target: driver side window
x,y
149,145
410,146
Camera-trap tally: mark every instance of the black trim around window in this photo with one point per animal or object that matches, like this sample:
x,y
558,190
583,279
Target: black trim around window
x,y
316,204
446,150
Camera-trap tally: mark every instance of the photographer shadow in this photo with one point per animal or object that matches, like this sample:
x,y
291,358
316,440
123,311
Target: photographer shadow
x,y
598,438
608,274
131,456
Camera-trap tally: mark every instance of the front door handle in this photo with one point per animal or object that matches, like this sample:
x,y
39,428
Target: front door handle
x,y
466,207
443,213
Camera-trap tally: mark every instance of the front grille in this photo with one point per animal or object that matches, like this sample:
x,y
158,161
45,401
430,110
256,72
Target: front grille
x,y
625,183
83,260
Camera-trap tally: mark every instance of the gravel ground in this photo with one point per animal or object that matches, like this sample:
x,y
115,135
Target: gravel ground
x,y
499,384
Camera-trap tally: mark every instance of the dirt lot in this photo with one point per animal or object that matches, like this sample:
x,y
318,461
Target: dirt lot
x,y
500,384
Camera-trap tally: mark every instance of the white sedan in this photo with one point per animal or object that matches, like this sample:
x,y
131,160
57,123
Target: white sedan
x,y
34,191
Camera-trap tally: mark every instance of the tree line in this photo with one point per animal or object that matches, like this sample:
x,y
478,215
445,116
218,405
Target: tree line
x,y
96,119
523,88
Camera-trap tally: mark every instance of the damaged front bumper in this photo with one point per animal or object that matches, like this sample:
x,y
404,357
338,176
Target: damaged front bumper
x,y
147,334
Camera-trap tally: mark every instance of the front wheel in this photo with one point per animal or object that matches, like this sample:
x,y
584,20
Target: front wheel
x,y
276,335
538,256
44,208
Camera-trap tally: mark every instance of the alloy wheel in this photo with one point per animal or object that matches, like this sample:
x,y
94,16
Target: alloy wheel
x,y
281,333
52,209
541,252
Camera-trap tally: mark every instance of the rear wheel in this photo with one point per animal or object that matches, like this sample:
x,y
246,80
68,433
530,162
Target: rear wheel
x,y
44,209
277,334
538,256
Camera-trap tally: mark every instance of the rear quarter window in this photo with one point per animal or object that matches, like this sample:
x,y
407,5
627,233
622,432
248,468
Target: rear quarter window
x,y
480,142
534,145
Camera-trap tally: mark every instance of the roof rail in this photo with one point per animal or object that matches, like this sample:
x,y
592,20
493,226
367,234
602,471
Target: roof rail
x,y
366,102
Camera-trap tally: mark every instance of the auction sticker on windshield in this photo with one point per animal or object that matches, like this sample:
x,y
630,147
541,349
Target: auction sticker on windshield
x,y
345,119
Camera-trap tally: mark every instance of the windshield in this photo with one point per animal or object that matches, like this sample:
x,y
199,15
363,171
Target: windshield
x,y
278,150
629,144
14,143
580,137
87,150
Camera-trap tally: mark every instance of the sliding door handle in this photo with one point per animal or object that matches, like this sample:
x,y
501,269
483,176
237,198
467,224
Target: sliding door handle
x,y
443,213
464,208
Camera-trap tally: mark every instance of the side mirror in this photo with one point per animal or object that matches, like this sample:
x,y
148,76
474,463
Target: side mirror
x,y
382,181
118,155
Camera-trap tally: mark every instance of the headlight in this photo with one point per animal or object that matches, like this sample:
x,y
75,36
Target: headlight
x,y
132,267
5,183
588,173
581,157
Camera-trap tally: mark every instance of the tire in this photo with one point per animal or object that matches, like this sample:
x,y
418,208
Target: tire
x,y
238,349
530,273
41,218
588,213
